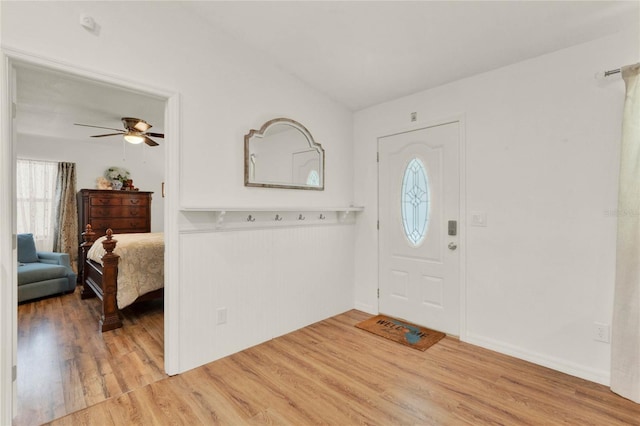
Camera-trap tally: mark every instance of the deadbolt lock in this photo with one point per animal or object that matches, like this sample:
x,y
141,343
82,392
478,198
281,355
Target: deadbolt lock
x,y
452,228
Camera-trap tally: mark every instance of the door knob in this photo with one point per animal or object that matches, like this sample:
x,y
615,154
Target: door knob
x,y
452,246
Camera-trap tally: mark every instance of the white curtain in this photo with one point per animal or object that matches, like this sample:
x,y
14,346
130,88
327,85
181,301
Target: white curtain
x,y
35,192
625,338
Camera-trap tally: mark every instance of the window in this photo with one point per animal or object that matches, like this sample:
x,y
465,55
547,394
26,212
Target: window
x,y
35,193
415,201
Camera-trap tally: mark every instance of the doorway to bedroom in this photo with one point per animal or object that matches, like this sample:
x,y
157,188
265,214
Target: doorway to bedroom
x,y
64,363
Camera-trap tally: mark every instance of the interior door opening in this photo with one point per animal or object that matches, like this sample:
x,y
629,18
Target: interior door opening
x,y
91,82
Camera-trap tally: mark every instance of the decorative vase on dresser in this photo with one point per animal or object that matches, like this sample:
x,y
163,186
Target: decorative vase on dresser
x,y
122,211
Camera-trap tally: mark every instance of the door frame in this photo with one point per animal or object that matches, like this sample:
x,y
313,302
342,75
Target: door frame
x,y
8,274
462,214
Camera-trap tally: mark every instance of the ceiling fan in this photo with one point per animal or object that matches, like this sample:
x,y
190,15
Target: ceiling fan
x,y
135,131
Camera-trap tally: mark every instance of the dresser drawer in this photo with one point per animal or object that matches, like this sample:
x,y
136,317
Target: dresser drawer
x,y
110,201
120,226
118,199
135,201
119,211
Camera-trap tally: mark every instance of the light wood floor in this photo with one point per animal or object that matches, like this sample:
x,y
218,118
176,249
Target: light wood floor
x,y
65,364
333,373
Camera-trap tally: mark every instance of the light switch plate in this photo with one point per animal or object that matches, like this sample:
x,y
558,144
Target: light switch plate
x,y
478,218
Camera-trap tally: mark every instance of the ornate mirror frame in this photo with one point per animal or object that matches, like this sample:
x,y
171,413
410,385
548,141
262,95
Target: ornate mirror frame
x,y
259,134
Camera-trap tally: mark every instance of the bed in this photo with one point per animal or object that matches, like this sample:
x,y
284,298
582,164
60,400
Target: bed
x,y
121,270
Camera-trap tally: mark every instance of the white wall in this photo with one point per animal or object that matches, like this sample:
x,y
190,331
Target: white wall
x,y
269,281
93,158
225,90
542,142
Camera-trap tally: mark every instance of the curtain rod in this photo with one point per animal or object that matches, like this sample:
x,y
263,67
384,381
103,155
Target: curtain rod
x,y
604,74
33,160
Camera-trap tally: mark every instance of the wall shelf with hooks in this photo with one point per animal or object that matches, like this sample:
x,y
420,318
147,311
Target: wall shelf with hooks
x,y
206,219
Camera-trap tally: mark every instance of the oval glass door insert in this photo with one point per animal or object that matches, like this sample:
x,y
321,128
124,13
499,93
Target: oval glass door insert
x,y
415,201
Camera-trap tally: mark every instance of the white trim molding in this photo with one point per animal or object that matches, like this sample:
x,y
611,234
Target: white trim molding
x,y
558,364
8,296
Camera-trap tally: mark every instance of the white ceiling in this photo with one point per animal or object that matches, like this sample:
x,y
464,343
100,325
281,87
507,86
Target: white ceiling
x,y
49,103
358,53
362,53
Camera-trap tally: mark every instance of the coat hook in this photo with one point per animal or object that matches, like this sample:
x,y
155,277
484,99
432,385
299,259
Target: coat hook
x,y
301,217
322,217
278,218
251,218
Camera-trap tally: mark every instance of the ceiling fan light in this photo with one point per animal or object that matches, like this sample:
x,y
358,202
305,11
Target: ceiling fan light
x,y
134,139
132,124
142,125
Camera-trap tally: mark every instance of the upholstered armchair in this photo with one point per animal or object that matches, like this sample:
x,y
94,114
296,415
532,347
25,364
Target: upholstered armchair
x,y
40,273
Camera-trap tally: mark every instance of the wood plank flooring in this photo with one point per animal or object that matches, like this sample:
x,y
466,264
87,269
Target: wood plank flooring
x,y
333,373
66,364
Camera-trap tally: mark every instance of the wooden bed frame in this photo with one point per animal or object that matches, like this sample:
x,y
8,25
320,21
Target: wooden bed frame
x,y
102,280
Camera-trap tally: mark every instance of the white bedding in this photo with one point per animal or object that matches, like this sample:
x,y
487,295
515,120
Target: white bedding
x,y
141,264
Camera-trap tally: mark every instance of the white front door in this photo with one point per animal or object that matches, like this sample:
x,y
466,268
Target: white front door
x,y
419,196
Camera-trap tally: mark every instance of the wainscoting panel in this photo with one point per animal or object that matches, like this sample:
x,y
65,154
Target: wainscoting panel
x,y
239,288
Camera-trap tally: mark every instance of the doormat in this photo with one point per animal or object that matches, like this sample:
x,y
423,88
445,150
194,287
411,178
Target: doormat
x,y
402,332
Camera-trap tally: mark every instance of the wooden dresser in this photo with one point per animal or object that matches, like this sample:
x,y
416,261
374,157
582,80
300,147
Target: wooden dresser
x,y
124,212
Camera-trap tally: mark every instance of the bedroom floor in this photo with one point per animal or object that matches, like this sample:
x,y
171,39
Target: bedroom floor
x,y
333,373
66,364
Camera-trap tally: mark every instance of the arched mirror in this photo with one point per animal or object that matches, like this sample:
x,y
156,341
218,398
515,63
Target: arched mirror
x,y
283,154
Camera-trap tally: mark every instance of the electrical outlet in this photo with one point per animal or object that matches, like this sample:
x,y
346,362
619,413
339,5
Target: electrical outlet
x,y
222,315
414,116
601,332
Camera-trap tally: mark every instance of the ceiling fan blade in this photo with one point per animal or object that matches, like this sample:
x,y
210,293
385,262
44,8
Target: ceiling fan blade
x,y
109,134
150,142
97,127
155,135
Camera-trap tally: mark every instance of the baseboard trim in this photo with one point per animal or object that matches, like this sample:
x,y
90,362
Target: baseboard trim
x,y
365,308
598,376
